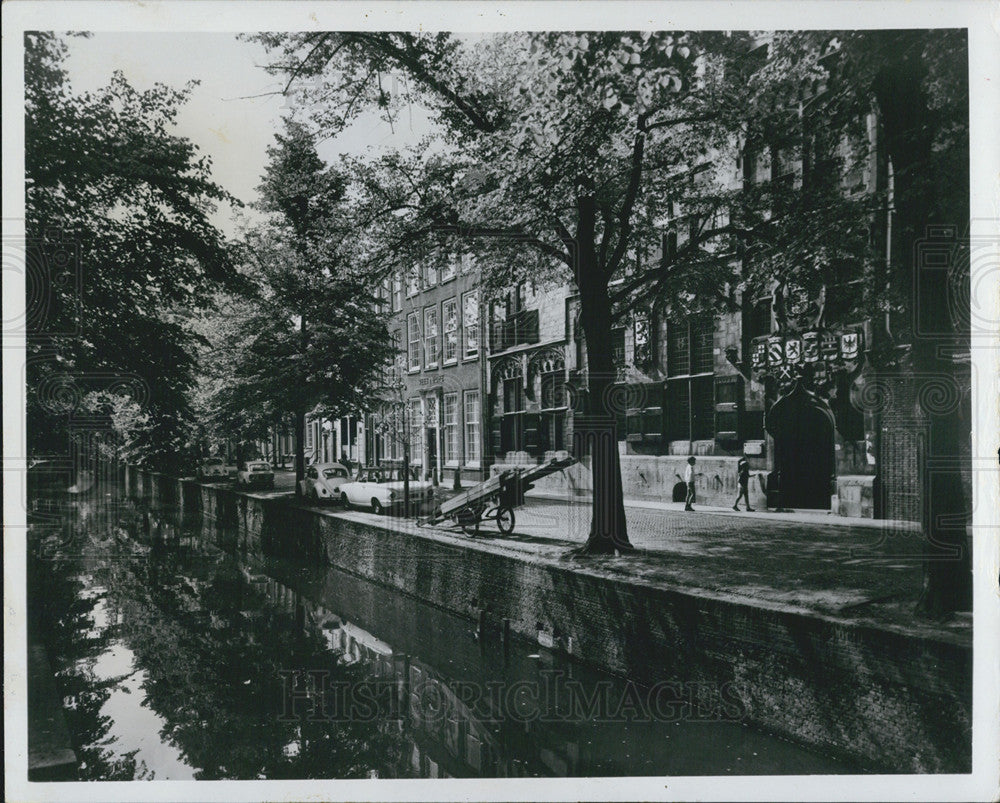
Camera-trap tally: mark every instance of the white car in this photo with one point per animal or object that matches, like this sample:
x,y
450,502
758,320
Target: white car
x,y
255,474
323,480
381,489
213,468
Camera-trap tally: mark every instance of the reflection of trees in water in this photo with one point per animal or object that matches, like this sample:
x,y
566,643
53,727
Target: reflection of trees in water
x,y
212,647
61,613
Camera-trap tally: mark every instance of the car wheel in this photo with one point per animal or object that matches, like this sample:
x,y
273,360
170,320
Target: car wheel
x,y
377,508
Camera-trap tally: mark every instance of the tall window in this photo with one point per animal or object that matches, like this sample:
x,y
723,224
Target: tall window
x,y
450,425
690,386
430,275
512,424
413,281
553,418
450,314
413,341
470,323
397,293
416,432
472,453
431,343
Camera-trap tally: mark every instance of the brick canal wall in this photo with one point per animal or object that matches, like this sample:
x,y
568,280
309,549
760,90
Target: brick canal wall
x,y
887,700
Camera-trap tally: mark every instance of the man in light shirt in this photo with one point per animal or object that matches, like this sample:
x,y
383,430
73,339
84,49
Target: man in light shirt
x,y
689,476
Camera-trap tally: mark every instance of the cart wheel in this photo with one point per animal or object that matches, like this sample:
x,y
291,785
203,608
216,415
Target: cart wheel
x,y
505,520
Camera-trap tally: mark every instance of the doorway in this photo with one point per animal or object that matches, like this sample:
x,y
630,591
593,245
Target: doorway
x,y
802,425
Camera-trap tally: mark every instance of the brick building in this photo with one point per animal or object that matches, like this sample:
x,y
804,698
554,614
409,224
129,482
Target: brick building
x,y
788,380
436,404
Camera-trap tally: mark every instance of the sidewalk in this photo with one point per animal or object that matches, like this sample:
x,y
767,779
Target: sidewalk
x,y
823,517
867,572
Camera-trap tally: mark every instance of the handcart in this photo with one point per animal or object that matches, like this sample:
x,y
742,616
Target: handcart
x,y
495,499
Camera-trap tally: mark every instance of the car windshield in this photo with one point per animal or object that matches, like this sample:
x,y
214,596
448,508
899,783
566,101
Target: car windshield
x,y
330,473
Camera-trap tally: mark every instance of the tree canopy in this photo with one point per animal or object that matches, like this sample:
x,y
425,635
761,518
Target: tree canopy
x,y
119,244
309,339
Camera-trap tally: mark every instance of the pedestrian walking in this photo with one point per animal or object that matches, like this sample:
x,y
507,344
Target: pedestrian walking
x,y
689,476
743,472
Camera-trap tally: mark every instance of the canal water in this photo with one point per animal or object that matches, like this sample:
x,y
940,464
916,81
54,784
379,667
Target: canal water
x,y
177,659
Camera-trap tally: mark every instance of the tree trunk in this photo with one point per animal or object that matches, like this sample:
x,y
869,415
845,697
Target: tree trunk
x,y
595,431
947,582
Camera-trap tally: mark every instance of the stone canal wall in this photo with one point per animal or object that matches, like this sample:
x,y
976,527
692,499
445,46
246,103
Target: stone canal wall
x,y
886,699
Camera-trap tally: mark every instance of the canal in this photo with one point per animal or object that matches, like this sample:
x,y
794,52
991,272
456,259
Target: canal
x,y
177,659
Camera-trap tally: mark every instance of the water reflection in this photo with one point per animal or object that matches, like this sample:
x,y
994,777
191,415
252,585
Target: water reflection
x,y
178,659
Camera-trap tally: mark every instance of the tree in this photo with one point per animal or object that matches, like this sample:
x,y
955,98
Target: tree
x,y
119,244
556,135
586,149
919,80
309,340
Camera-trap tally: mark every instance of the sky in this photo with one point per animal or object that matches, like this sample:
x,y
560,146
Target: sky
x,y
231,115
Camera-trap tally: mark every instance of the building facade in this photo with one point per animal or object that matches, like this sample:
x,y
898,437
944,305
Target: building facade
x,y
435,405
786,378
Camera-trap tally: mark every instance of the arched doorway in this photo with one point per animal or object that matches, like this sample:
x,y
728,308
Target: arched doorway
x,y
802,425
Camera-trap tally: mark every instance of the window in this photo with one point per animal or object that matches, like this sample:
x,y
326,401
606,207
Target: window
x,y
450,425
513,399
642,353
553,418
413,341
431,347
690,384
758,319
553,390
678,350
450,269
702,346
413,281
690,347
450,314
416,432
512,424
397,293
472,427
430,275
470,323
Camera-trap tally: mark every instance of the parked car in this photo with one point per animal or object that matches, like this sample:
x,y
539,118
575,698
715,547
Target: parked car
x,y
323,480
255,474
382,489
214,468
